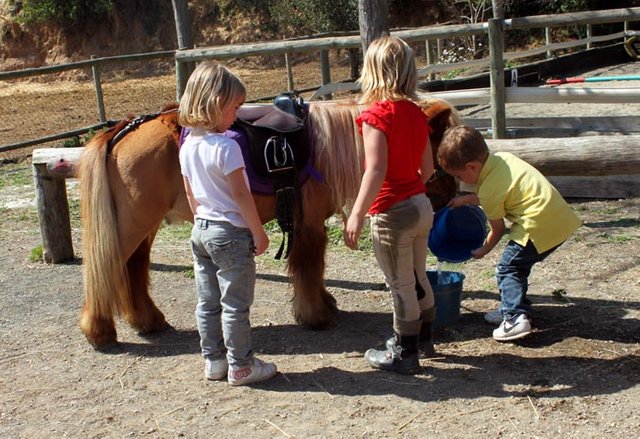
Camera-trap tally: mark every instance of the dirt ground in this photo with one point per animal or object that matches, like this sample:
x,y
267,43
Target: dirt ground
x,y
577,376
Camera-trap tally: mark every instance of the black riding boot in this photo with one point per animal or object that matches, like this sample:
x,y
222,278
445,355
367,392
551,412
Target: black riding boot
x,y
426,348
401,357
425,339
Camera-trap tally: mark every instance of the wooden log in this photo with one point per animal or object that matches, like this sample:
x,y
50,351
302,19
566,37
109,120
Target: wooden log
x,y
567,124
606,186
591,155
51,166
59,162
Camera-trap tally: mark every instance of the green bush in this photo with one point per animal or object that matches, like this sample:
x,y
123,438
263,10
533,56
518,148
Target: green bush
x,y
65,12
315,16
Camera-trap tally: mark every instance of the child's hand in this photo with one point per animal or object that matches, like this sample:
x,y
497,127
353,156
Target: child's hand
x,y
352,231
261,243
479,253
456,202
463,200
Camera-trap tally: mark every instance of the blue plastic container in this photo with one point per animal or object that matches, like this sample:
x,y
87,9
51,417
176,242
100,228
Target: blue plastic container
x,y
456,232
447,288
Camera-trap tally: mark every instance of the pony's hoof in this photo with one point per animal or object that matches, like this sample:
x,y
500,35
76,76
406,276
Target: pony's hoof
x,y
153,329
102,342
320,320
100,333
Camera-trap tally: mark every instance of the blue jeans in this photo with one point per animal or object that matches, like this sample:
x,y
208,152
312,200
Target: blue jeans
x,y
225,274
512,274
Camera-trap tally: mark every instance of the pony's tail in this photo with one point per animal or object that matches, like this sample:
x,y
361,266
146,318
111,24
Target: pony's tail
x,y
106,285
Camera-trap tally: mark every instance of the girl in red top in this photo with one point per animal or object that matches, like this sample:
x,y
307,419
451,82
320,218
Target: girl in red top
x,y
398,162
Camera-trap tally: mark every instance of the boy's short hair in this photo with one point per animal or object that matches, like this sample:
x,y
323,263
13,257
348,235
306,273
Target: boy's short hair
x,y
460,145
210,88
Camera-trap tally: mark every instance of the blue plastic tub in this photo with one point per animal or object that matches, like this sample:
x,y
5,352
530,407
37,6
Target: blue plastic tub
x,y
456,232
447,288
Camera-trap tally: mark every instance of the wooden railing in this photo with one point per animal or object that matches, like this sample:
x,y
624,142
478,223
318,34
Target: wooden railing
x,y
427,35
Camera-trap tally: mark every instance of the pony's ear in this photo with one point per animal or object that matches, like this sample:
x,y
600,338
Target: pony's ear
x,y
439,114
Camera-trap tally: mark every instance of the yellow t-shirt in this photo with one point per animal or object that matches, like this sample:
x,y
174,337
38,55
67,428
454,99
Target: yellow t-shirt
x,y
509,187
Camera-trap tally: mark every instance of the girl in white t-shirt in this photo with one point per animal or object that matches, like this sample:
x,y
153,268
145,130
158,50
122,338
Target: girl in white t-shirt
x,y
227,231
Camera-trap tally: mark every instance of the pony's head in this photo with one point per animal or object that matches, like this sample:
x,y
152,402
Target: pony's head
x,y
441,188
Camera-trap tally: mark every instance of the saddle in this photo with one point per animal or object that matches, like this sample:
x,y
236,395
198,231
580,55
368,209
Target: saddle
x,y
279,150
277,135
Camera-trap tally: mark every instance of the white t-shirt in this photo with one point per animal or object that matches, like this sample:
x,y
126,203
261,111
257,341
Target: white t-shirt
x,y
205,159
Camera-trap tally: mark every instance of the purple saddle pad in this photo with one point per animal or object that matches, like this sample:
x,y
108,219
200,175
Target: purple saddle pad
x,y
258,184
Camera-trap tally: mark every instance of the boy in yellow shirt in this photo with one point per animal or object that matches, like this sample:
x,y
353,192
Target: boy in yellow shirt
x,y
508,187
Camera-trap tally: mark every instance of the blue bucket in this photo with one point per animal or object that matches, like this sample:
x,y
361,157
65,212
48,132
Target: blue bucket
x,y
447,288
457,231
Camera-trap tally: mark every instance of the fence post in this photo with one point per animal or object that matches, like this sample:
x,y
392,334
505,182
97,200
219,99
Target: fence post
x,y
325,68
354,63
547,40
427,47
589,35
95,69
53,213
185,41
289,72
496,52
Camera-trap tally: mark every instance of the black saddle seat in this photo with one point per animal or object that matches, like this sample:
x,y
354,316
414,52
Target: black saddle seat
x,y
277,134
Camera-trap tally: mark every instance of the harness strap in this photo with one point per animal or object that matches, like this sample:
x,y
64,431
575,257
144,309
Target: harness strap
x,y
133,125
287,197
436,175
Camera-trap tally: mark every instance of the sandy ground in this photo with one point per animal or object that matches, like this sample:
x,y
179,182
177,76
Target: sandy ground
x,y
577,376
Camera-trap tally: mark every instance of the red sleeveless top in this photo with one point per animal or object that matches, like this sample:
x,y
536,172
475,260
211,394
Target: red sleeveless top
x,y
406,129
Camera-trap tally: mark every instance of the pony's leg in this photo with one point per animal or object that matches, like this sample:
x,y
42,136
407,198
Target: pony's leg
x,y
313,306
142,313
100,331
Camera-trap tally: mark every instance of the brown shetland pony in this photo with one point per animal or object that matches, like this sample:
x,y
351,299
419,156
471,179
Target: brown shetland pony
x,y
127,191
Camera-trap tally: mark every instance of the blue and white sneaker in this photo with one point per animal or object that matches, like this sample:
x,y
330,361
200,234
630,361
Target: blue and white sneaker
x,y
512,329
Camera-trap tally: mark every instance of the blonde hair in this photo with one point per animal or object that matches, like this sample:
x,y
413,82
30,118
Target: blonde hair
x,y
210,89
460,145
389,71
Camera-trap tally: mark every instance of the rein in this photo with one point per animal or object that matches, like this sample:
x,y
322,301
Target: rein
x,y
438,173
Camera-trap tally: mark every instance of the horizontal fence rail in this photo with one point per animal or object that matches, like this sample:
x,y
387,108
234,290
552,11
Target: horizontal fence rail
x,y
94,62
324,44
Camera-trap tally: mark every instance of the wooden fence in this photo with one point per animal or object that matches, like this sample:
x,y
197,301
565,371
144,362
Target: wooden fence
x,y
427,35
495,29
622,154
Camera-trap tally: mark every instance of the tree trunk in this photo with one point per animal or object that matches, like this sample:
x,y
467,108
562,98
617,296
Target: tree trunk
x,y
498,8
373,17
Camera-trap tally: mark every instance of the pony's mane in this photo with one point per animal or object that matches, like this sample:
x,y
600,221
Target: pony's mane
x,y
339,150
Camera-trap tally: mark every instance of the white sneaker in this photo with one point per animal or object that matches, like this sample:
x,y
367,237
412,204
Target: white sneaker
x,y
512,329
494,317
256,370
215,369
